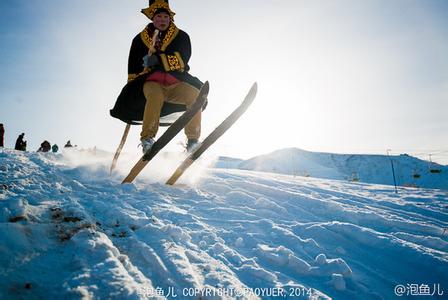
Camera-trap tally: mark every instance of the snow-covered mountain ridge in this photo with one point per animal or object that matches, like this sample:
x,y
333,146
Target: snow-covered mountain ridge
x,y
69,230
409,171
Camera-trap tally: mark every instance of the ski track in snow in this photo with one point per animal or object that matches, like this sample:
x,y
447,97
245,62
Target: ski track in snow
x,y
70,230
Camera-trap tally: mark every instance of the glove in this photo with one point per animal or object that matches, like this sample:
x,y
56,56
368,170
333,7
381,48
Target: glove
x,y
150,61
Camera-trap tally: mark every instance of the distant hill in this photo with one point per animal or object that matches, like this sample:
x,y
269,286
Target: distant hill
x,y
409,171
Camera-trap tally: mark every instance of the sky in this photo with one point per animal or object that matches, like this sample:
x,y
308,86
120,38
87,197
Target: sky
x,y
341,76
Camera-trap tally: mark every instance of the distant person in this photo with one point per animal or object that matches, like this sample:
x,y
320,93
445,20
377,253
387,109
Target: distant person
x,y
2,135
45,146
68,144
20,143
55,148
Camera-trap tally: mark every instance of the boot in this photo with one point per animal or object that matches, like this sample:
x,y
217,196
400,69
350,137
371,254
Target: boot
x,y
147,144
192,144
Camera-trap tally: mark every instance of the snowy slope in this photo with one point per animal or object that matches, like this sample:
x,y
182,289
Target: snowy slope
x,y
409,171
70,231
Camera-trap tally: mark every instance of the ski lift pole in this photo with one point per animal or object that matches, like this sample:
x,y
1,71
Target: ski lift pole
x,y
430,164
393,170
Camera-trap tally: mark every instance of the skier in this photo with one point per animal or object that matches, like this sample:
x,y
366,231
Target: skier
x,y
20,143
158,77
44,147
2,135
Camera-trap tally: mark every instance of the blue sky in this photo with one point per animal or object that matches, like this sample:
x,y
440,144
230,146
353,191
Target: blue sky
x,y
335,76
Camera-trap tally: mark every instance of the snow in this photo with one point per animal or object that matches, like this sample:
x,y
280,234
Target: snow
x,y
69,230
409,171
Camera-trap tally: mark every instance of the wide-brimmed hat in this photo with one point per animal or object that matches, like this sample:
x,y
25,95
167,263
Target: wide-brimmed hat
x,y
156,6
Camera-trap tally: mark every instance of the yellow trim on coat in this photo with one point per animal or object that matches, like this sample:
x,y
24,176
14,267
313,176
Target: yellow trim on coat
x,y
172,62
132,77
166,66
170,35
181,61
146,38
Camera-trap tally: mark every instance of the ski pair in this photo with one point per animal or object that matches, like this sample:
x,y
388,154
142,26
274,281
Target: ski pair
x,y
215,135
169,134
180,123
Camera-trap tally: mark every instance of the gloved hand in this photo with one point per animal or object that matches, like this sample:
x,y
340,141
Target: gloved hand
x,y
150,61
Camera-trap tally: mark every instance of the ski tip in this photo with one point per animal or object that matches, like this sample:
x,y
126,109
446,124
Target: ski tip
x,y
205,87
253,90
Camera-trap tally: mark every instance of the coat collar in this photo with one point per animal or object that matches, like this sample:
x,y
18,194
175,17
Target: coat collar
x,y
170,34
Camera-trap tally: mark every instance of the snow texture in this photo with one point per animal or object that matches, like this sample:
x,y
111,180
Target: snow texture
x,y
71,231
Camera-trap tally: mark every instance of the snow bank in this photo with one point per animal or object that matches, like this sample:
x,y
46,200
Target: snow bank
x,y
68,229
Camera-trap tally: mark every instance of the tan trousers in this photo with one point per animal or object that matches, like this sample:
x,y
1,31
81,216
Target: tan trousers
x,y
156,94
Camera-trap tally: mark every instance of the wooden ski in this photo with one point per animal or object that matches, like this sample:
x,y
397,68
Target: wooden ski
x,y
120,147
215,135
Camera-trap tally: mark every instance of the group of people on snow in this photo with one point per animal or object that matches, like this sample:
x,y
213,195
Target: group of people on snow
x,y
21,143
46,147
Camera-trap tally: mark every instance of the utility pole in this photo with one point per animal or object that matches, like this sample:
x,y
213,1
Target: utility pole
x,y
393,171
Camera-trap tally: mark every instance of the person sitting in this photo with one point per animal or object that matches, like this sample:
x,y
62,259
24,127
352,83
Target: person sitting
x,y
160,55
44,147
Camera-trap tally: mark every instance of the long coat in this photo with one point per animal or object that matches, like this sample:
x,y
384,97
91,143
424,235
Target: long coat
x,y
20,143
173,56
2,136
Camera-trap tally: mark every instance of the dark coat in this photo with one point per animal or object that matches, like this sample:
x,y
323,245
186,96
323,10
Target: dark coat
x,y
2,135
173,56
44,147
20,143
